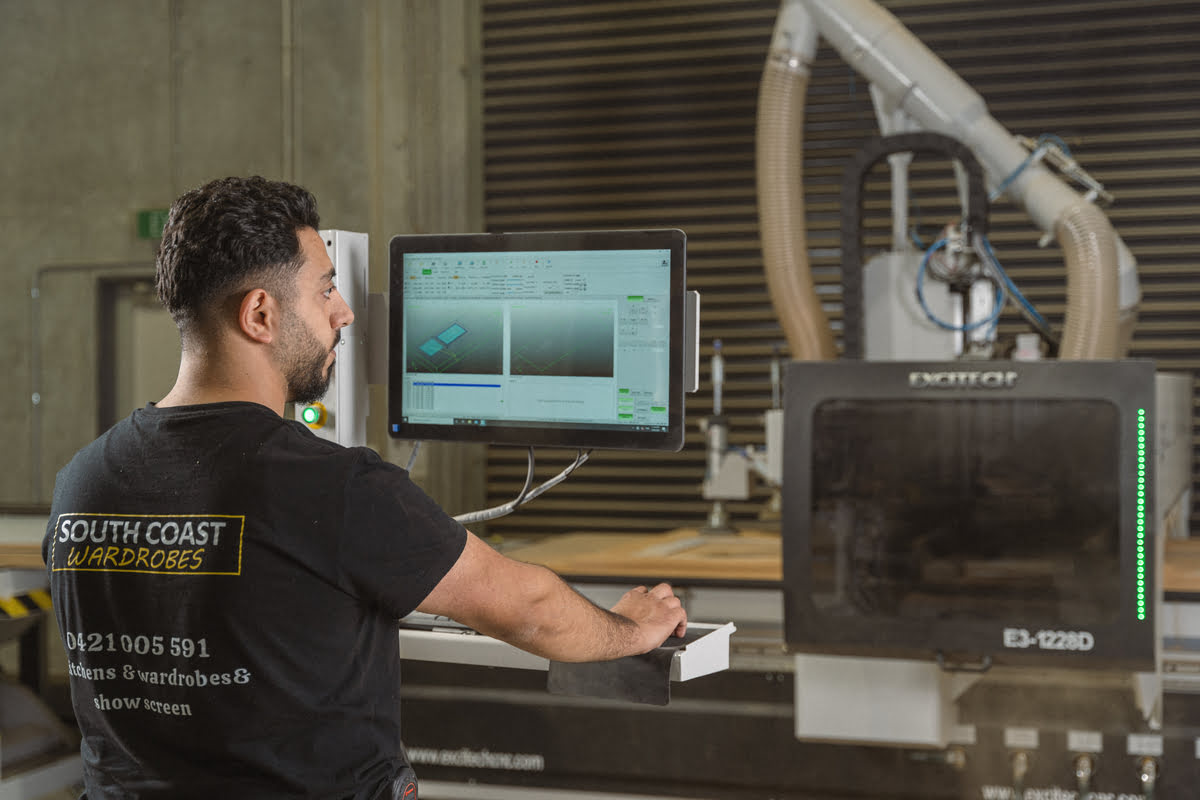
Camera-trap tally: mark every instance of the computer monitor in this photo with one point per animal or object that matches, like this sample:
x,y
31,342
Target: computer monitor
x,y
565,339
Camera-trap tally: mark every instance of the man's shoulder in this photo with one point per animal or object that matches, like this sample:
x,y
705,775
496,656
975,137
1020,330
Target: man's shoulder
x,y
249,445
117,433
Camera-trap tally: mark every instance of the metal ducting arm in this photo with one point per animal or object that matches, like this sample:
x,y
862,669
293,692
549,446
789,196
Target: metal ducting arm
x,y
1101,273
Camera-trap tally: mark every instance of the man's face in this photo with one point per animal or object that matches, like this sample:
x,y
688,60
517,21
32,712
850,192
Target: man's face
x,y
306,361
311,326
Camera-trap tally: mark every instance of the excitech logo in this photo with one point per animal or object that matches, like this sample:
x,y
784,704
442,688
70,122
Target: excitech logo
x,y
994,379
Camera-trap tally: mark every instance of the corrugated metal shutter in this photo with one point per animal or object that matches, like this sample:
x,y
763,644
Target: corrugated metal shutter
x,y
640,113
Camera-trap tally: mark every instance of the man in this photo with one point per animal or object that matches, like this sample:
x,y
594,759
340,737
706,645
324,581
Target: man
x,y
228,584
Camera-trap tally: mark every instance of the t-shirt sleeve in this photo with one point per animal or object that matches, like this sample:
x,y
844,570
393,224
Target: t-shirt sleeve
x,y
397,543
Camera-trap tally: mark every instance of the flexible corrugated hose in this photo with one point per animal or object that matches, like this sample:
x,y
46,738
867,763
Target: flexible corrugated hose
x,y
781,211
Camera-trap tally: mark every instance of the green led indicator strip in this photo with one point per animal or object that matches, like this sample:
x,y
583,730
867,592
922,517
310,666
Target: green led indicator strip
x,y
1141,514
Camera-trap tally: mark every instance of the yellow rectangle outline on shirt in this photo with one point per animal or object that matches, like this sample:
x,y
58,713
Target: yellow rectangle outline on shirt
x,y
53,549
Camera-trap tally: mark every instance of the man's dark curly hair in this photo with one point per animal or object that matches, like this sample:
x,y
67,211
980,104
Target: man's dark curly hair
x,y
227,237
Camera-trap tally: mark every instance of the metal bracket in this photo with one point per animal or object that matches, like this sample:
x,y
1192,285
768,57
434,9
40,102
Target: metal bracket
x,y
691,341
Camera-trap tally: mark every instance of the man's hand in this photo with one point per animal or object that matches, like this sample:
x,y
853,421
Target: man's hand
x,y
657,613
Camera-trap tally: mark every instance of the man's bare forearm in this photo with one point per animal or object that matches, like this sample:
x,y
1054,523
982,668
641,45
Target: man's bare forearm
x,y
561,624
532,608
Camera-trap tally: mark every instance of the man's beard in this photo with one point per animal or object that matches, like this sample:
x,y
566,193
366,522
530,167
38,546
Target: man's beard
x,y
304,360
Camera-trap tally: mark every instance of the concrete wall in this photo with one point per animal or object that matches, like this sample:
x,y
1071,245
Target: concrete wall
x,y
122,105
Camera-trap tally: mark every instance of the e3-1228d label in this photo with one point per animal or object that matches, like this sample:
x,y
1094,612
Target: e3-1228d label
x,y
1022,639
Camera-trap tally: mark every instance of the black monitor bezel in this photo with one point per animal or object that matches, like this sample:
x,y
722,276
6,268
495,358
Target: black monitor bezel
x,y
670,239
1125,642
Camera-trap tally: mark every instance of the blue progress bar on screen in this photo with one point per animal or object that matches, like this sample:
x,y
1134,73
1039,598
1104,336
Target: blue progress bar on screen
x,y
463,385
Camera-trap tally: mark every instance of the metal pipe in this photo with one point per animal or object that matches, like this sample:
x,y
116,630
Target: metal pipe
x,y
1148,777
716,434
899,163
878,46
1020,769
1085,768
718,377
776,378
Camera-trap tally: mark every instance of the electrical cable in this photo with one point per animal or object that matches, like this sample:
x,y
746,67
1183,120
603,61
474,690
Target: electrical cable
x,y
984,248
1056,140
412,457
581,457
520,498
914,229
1005,289
1043,143
506,509
525,494
991,320
916,237
1012,176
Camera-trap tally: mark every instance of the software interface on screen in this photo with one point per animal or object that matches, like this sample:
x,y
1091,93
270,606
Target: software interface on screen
x,y
570,338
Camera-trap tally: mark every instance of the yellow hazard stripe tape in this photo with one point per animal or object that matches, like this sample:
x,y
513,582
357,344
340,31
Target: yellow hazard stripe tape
x,y
13,607
41,599
22,605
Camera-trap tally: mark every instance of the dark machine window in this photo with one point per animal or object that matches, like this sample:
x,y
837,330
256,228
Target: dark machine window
x,y
972,509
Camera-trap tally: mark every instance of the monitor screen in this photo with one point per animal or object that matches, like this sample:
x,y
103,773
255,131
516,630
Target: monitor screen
x,y
565,339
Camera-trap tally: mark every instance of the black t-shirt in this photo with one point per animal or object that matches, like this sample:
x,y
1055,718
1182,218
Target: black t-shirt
x,y
228,587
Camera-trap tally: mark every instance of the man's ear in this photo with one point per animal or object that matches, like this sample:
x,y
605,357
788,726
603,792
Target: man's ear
x,y
259,315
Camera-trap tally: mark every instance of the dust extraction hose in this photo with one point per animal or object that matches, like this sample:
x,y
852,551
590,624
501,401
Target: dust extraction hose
x,y
1091,326
781,214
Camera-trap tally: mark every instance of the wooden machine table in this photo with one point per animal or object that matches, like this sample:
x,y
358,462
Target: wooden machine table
x,y
21,541
1181,568
681,553
743,556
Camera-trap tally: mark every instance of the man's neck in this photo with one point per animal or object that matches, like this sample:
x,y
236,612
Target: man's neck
x,y
211,379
